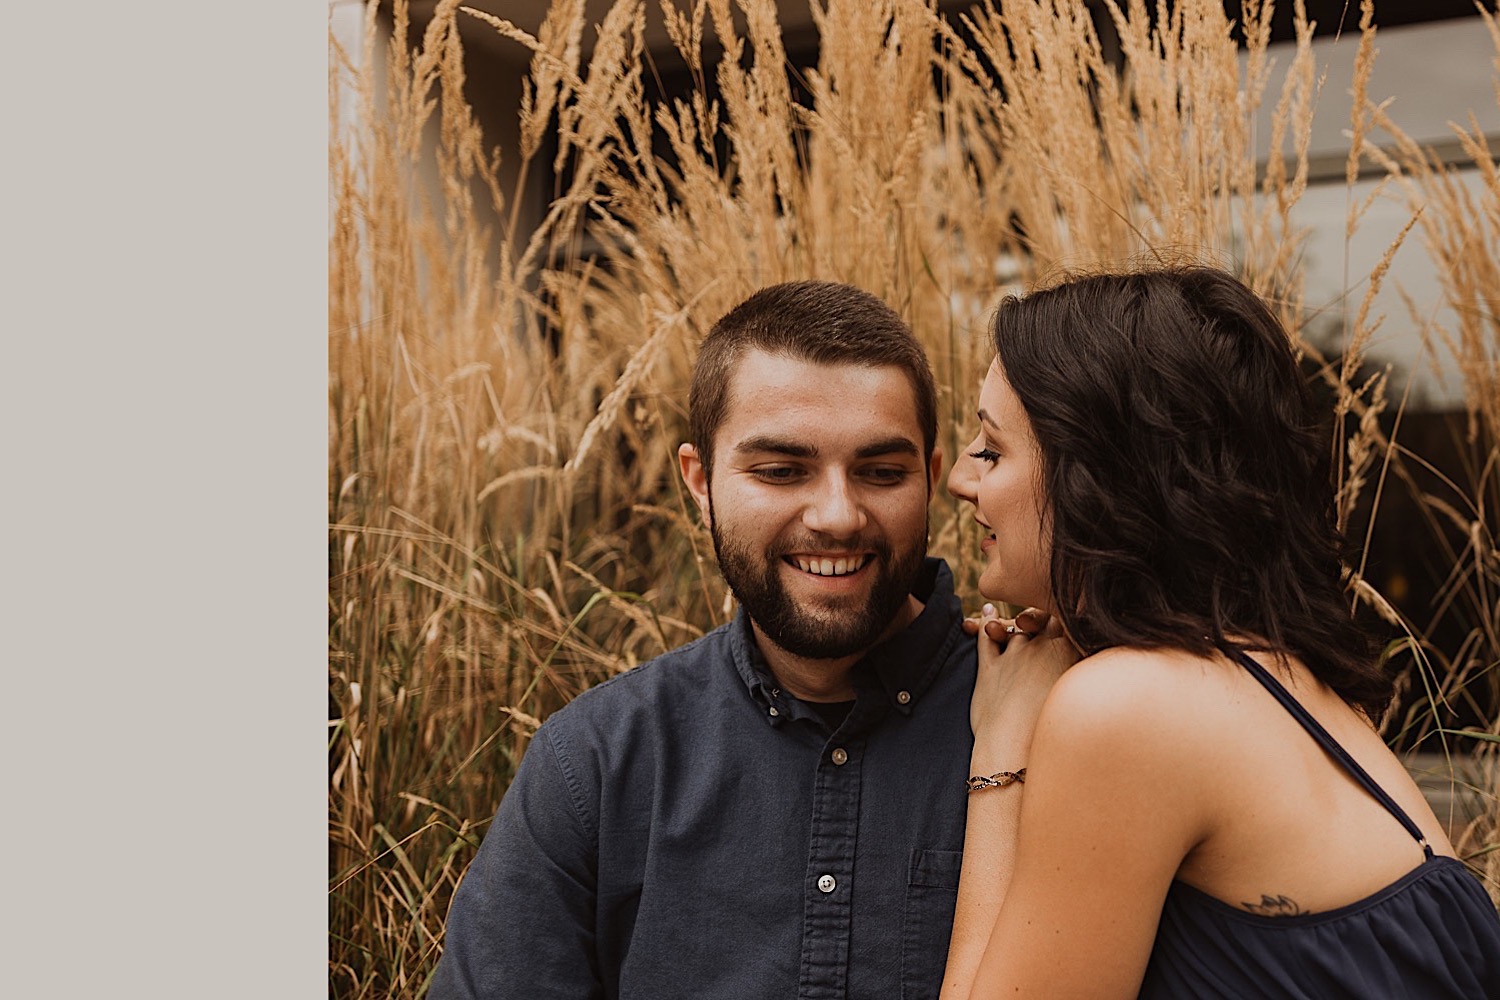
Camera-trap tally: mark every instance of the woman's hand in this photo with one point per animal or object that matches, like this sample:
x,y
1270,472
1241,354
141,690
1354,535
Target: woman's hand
x,y
1019,660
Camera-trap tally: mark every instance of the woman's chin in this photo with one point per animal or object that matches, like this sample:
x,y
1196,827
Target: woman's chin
x,y
999,595
1001,592
992,586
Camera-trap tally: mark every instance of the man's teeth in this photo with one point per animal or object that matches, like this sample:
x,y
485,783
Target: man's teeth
x,y
828,567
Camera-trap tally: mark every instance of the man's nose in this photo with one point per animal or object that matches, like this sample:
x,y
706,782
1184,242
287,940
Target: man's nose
x,y
835,510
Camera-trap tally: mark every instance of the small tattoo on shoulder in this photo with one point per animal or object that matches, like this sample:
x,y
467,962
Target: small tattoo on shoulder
x,y
1275,906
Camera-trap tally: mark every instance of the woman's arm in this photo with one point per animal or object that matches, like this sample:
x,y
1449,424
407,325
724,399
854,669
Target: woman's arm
x,y
1015,675
1115,798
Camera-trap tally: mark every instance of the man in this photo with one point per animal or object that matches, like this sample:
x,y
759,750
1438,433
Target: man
x,y
776,809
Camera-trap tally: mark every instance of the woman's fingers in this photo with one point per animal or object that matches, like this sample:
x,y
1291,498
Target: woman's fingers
x,y
1032,620
974,623
1003,630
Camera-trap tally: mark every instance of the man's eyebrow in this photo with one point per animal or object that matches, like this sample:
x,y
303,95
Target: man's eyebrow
x,y
797,449
888,446
986,418
779,446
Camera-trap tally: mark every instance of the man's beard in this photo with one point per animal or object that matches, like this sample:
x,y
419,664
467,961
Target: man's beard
x,y
818,632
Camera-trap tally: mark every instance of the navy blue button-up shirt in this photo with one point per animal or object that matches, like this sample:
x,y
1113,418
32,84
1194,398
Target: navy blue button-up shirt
x,y
688,830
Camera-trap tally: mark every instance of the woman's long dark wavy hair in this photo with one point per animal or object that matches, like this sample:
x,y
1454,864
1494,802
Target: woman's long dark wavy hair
x,y
1186,476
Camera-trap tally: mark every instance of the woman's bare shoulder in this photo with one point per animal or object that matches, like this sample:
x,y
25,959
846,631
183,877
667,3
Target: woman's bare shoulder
x,y
1139,730
1128,679
1165,698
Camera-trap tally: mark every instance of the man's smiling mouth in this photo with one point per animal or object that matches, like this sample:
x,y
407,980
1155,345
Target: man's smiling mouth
x,y
823,566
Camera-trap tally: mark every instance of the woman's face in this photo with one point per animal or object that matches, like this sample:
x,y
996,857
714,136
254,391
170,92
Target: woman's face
x,y
1000,474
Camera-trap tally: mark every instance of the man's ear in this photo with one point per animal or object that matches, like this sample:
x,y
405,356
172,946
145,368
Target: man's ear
x,y
934,469
695,476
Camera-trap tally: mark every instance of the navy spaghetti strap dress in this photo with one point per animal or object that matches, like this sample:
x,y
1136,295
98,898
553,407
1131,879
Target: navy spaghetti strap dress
x,y
1433,933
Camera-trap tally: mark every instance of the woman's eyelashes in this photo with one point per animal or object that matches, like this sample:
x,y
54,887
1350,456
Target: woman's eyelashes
x,y
985,455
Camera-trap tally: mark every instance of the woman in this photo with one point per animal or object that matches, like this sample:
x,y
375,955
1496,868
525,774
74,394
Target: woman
x,y
1151,475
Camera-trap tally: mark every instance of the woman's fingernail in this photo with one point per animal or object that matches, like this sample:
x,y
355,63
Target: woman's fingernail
x,y
988,610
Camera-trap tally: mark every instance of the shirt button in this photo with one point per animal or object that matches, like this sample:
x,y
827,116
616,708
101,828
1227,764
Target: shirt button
x,y
827,883
773,711
840,756
904,697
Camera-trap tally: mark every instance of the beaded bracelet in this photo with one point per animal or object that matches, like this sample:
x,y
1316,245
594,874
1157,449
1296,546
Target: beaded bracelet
x,y
997,780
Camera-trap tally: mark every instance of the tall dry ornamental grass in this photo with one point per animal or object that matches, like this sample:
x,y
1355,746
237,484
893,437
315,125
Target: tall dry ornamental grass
x,y
506,399
1461,234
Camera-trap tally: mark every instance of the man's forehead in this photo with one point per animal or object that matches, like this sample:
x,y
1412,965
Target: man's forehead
x,y
813,405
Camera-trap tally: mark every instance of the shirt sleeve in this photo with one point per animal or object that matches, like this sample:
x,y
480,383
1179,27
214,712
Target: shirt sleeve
x,y
522,923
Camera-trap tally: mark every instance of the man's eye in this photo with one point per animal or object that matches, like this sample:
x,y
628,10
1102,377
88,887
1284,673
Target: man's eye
x,y
886,475
985,455
777,473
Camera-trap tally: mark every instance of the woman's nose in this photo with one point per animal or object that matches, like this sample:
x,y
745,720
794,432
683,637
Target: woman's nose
x,y
962,478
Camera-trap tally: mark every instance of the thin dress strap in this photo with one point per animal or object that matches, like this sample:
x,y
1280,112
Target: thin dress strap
x,y
1316,730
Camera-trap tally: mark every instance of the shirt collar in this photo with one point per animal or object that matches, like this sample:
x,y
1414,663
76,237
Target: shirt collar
x,y
897,671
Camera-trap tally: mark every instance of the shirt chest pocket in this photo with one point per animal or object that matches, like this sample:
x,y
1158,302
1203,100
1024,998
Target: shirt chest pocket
x,y
931,893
